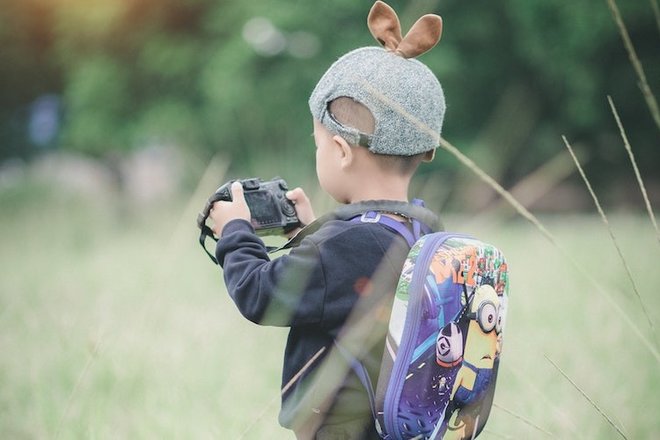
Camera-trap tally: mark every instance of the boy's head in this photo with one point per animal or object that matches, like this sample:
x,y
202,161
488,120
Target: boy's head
x,y
383,99
350,172
346,112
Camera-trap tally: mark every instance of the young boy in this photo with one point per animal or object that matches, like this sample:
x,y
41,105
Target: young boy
x,y
377,114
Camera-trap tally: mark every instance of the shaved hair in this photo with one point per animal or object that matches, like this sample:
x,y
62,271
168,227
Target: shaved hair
x,y
353,114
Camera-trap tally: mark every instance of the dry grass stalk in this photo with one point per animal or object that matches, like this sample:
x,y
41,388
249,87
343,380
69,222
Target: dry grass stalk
x,y
523,419
637,65
212,177
535,221
445,145
609,228
561,416
506,195
305,367
93,354
656,12
259,417
586,396
634,165
540,182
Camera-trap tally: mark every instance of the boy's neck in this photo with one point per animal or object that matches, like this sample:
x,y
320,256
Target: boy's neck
x,y
366,179
379,190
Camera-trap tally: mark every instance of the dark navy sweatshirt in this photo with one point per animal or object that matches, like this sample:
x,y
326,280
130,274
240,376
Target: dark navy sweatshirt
x,y
312,290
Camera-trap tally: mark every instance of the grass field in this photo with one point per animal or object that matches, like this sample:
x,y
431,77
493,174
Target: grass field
x,y
114,324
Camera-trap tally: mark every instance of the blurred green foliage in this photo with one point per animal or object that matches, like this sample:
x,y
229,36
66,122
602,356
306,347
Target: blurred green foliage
x,y
209,76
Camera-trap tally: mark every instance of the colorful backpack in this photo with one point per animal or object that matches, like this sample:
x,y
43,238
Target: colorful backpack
x,y
439,367
444,339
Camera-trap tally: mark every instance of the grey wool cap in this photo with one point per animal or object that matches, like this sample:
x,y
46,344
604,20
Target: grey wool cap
x,y
403,95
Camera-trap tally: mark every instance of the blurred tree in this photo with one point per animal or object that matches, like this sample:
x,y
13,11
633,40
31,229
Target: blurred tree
x,y
234,77
132,70
525,72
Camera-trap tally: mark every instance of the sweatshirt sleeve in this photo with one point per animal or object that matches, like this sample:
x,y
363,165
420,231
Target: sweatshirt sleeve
x,y
286,291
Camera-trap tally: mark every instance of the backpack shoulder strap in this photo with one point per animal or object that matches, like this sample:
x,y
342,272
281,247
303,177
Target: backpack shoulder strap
x,y
414,211
411,232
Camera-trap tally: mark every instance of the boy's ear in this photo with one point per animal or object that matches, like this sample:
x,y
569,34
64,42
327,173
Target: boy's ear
x,y
429,156
344,150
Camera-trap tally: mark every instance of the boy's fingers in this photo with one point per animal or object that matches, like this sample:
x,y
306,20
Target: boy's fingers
x,y
297,195
291,195
303,205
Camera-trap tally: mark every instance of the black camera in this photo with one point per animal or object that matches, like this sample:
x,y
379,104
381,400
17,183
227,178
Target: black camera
x,y
271,212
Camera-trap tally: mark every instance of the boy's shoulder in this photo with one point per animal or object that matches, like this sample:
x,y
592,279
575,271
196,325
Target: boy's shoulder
x,y
355,236
343,229
367,224
349,249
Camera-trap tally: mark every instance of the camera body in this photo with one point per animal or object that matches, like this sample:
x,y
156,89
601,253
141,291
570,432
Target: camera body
x,y
271,212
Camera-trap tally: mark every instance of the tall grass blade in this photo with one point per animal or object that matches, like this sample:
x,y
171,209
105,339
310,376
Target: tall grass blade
x,y
524,212
211,178
539,182
634,165
529,216
164,269
656,12
637,65
611,232
299,374
93,354
495,434
259,417
594,404
506,195
523,419
364,329
283,391
559,414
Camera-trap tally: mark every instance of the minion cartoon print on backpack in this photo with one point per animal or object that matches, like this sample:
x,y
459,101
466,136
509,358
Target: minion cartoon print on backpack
x,y
450,379
481,352
482,321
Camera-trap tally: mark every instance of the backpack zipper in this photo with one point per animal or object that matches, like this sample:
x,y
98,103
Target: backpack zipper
x,y
405,351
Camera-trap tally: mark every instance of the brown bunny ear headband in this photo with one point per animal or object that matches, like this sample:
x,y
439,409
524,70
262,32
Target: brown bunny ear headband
x,y
403,95
385,27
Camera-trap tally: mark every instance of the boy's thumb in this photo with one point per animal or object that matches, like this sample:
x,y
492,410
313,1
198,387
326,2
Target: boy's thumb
x,y
237,191
296,195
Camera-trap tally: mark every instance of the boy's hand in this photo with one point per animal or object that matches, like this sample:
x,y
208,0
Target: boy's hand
x,y
303,207
223,212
